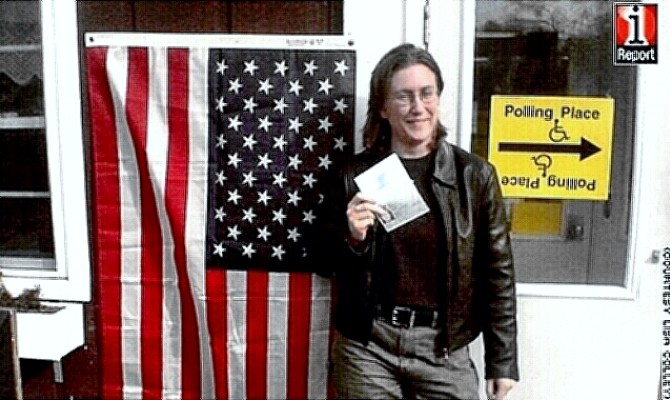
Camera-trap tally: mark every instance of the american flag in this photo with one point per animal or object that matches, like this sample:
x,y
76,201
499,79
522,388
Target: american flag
x,y
212,158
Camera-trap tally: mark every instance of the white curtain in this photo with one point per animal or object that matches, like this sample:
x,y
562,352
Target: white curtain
x,y
20,40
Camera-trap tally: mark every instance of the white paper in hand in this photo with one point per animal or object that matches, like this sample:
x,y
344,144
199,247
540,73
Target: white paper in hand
x,y
388,183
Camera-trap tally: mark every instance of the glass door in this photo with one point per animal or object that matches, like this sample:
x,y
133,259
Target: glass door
x,y
545,48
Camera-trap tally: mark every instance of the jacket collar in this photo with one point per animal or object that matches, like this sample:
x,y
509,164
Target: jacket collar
x,y
458,204
445,164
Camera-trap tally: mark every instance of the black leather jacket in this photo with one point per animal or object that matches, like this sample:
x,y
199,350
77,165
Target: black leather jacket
x,y
479,288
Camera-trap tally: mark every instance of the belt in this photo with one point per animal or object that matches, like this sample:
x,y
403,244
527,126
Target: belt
x,y
407,317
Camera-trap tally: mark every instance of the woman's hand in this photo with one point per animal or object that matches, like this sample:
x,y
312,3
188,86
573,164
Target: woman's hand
x,y
497,389
362,212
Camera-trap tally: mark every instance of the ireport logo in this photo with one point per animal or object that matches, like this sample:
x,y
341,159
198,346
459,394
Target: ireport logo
x,y
635,28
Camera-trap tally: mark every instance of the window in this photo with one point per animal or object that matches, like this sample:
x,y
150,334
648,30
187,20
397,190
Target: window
x,y
43,235
26,237
559,48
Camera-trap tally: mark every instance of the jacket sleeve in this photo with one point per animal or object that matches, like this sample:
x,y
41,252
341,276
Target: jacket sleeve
x,y
499,325
335,253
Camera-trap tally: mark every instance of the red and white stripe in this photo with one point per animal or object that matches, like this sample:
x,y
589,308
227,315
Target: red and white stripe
x,y
169,327
273,331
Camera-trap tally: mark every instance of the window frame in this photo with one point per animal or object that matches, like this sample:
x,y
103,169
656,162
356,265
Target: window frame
x,y
70,279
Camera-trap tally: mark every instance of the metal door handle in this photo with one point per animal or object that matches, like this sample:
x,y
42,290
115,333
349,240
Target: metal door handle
x,y
575,228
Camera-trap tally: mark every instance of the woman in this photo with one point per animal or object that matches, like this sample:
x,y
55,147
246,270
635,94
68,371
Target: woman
x,y
411,300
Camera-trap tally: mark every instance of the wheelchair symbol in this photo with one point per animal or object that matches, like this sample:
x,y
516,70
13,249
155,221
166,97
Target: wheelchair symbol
x,y
543,162
557,133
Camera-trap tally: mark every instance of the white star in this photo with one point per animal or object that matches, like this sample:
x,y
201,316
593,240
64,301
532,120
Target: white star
x,y
220,214
249,141
340,105
339,144
294,124
279,179
250,67
264,161
220,104
278,216
263,197
294,198
324,162
221,67
235,86
310,67
295,88
234,232
280,105
234,160
233,196
309,105
249,215
341,67
234,123
325,124
278,251
248,250
264,123
250,104
263,233
325,86
308,216
265,86
293,234
221,141
219,249
294,161
309,143
249,179
220,178
281,68
280,142
308,180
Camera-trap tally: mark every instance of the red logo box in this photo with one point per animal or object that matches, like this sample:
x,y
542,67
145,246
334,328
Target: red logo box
x,y
635,33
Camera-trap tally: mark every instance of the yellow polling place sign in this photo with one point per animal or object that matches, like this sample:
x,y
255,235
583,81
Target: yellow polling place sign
x,y
552,147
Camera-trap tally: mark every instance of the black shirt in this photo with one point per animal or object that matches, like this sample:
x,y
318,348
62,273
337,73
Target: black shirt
x,y
411,269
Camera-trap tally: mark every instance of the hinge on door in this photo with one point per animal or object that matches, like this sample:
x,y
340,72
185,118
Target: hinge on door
x,y
426,24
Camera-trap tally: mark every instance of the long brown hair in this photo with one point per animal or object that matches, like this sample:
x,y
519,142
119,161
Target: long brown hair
x,y
377,130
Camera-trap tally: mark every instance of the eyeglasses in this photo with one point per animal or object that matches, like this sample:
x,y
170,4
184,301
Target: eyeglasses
x,y
406,98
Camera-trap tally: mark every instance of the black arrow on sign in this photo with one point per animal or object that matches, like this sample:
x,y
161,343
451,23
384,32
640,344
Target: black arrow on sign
x,y
585,149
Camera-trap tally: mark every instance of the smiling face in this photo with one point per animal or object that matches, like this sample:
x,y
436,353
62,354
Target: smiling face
x,y
412,108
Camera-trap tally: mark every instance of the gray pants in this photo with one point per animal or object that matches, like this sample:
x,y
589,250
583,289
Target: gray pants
x,y
401,363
